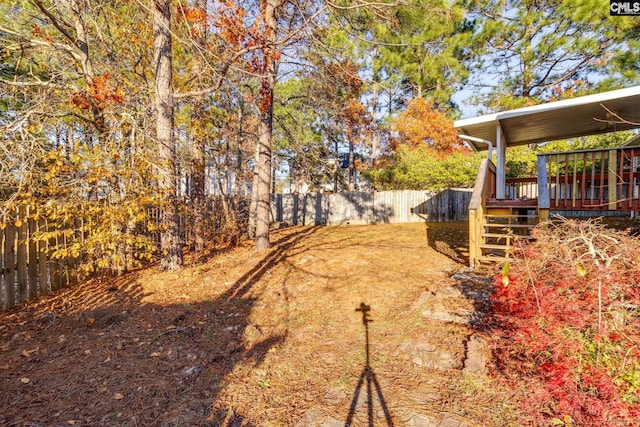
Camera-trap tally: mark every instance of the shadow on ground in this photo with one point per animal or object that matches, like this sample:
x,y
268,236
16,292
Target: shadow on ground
x,y
100,355
368,381
450,239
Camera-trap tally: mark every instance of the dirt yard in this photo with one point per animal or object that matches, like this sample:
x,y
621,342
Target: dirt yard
x,y
265,339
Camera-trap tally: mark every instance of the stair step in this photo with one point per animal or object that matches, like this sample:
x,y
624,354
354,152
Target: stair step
x,y
494,246
498,230
491,259
498,235
496,221
510,216
498,224
507,235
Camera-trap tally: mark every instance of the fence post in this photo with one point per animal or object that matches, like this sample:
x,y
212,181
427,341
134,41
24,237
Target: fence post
x,y
33,256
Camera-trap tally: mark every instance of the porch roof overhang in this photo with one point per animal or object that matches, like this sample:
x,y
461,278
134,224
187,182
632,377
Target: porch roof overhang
x,y
586,115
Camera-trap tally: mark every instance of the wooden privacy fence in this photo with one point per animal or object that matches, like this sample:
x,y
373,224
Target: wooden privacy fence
x,y
27,271
27,242
371,207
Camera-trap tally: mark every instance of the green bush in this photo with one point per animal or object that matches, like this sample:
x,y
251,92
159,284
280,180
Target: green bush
x,y
423,169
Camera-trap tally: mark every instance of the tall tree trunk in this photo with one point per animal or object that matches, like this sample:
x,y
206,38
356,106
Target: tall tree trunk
x,y
198,136
263,211
170,236
253,205
239,177
352,166
265,130
375,138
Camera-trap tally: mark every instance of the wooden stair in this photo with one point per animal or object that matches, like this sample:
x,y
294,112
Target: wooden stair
x,y
501,228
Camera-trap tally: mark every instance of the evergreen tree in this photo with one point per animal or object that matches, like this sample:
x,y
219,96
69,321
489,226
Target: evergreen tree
x,y
543,50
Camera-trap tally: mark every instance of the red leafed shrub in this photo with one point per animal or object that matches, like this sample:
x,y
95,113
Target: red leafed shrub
x,y
566,325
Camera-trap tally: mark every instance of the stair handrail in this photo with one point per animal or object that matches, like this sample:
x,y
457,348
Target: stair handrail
x,y
483,188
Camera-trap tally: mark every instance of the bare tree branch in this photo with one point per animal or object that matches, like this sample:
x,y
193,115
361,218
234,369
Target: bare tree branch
x,y
619,120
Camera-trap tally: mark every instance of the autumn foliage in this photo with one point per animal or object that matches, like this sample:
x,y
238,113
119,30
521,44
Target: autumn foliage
x,y
242,40
422,124
567,322
425,153
356,119
100,93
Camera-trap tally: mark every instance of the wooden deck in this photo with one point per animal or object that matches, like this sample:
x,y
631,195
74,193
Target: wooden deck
x,y
588,180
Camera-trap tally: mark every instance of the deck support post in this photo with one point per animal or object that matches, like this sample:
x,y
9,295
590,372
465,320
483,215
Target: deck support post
x,y
501,173
544,200
612,180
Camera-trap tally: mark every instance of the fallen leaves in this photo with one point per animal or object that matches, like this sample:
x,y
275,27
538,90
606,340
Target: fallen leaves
x,y
27,353
194,362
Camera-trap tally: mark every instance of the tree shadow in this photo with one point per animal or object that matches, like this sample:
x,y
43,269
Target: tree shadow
x,y
101,354
323,209
369,380
300,209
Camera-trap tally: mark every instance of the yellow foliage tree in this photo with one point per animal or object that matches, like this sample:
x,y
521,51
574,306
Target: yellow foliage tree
x,y
422,124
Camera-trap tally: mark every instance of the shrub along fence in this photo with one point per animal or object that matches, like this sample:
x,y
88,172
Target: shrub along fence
x,y
371,207
37,257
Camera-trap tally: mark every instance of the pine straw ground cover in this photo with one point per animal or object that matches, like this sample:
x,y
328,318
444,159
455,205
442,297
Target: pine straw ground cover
x,y
256,339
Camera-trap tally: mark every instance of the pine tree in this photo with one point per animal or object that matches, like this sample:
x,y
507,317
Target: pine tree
x,y
541,50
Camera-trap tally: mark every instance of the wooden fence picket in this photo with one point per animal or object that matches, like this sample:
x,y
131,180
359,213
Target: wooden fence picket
x,y
21,256
9,265
43,272
33,257
55,266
